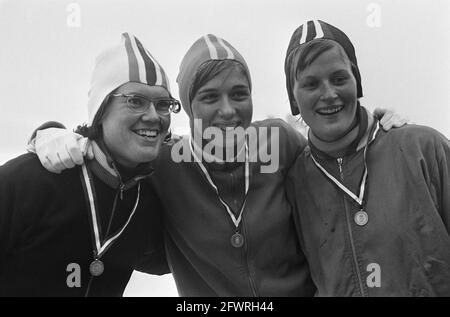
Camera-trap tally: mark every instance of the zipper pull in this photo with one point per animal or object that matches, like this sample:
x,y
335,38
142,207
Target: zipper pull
x,y
339,160
122,188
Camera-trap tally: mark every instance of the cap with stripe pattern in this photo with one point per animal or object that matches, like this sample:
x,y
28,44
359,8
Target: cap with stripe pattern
x,y
315,30
206,48
127,62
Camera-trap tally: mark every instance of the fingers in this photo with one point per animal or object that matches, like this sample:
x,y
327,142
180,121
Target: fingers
x,y
86,148
386,118
90,151
396,121
75,152
65,160
401,122
47,163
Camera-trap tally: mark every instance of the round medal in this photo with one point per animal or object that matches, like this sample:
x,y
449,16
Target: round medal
x,y
237,240
361,218
96,268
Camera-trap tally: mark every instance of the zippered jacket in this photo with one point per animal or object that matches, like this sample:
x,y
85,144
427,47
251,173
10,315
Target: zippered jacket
x,y
199,229
404,248
46,244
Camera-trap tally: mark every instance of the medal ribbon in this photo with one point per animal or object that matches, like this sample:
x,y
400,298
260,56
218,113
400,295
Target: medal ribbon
x,y
211,182
100,248
362,188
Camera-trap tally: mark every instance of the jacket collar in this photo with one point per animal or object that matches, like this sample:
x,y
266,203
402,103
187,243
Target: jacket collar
x,y
108,171
364,131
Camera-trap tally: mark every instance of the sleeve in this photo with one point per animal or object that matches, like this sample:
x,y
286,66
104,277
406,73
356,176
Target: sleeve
x,y
6,216
441,179
292,145
153,262
310,288
15,202
290,189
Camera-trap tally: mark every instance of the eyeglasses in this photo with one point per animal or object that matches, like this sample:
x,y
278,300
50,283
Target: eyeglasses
x,y
140,104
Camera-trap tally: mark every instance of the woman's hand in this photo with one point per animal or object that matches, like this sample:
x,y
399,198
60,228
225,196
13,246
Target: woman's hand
x,y
60,149
390,119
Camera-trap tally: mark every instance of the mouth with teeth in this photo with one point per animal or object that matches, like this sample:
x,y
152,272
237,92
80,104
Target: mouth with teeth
x,y
329,111
226,126
148,134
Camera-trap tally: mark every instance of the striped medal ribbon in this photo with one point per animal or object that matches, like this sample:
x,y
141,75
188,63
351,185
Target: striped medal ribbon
x,y
361,217
237,239
97,267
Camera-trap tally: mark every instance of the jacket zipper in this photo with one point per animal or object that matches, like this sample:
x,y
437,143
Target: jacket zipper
x,y
250,278
349,227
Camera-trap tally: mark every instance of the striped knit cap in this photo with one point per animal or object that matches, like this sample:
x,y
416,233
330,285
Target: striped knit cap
x,y
308,32
206,48
127,62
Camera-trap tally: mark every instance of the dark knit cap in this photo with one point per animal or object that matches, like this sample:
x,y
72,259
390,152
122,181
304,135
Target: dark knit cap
x,y
312,30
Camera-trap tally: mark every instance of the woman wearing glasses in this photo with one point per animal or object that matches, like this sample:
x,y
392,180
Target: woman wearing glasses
x,y
82,232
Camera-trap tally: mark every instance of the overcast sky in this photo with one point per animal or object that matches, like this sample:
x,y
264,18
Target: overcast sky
x,y
48,50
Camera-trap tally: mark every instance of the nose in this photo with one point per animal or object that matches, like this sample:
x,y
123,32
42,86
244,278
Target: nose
x,y
328,92
150,114
227,109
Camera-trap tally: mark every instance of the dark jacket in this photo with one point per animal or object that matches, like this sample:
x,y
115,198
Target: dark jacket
x,y
44,227
199,229
407,238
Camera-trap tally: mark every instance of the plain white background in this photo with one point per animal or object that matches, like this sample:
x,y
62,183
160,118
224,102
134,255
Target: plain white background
x,y
48,50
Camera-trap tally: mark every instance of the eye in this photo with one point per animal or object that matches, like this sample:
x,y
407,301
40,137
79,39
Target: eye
x,y
136,101
309,84
164,104
240,95
209,97
339,80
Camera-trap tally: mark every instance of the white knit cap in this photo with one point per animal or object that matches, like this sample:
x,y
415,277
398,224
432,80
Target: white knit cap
x,y
127,62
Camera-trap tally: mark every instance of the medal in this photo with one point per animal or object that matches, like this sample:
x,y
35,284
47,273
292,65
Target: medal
x,y
361,218
237,240
96,268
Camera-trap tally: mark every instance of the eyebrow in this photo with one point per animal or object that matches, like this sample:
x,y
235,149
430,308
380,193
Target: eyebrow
x,y
241,87
339,71
208,90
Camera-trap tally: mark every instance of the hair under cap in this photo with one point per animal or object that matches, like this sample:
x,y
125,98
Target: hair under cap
x,y
310,31
127,62
206,48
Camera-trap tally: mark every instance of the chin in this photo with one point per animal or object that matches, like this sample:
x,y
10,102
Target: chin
x,y
150,155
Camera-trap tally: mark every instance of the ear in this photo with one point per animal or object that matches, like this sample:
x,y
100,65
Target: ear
x,y
295,107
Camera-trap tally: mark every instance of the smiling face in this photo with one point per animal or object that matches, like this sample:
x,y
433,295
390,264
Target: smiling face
x,y
133,138
326,94
224,102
